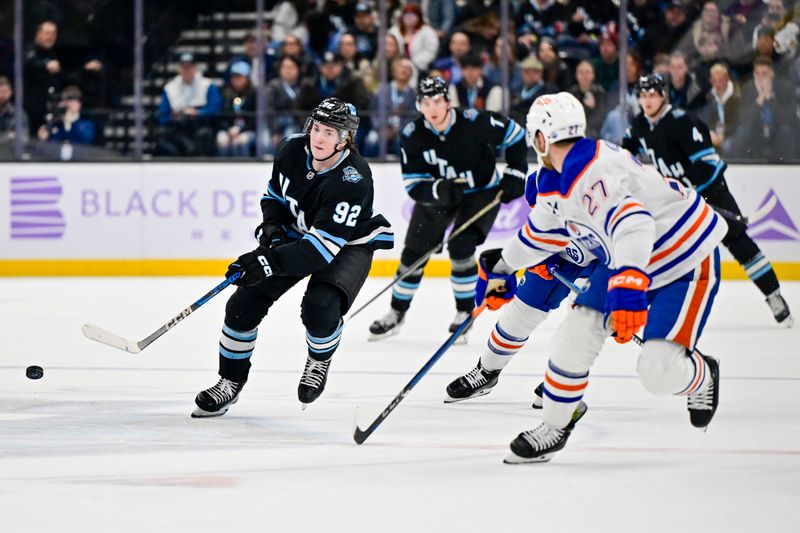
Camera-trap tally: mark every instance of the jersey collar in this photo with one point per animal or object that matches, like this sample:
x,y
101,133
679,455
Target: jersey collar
x,y
443,134
666,109
342,157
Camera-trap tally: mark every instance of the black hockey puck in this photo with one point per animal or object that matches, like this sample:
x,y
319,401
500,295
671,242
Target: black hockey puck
x,y
34,372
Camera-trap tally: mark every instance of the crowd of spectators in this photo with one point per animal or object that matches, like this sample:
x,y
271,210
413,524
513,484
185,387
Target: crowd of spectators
x,y
735,63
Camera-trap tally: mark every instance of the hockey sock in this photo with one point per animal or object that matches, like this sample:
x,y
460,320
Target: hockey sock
x,y
463,276
700,375
517,321
404,290
562,392
321,348
235,350
760,271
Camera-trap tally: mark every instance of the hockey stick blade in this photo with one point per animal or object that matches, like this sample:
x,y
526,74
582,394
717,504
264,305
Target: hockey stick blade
x,y
763,211
360,435
106,337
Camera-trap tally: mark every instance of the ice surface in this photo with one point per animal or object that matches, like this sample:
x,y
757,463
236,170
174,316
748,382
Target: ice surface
x,y
104,441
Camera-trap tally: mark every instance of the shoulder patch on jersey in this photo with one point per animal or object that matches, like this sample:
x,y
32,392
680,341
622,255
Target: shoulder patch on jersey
x,y
470,114
351,174
678,113
409,129
295,136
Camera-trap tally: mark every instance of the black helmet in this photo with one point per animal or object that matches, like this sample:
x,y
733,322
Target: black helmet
x,y
336,114
649,83
432,86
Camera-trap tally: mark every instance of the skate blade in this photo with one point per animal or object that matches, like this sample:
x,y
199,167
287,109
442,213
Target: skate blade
x,y
787,322
303,406
200,413
450,399
514,459
461,339
538,403
379,336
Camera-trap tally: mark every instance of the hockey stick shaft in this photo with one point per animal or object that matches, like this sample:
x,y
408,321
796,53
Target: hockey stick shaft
x,y
360,435
753,217
422,260
105,337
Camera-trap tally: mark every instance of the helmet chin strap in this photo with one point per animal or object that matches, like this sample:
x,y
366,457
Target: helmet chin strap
x,y
335,151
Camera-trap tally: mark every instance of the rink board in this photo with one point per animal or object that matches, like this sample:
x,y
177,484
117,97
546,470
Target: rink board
x,y
191,218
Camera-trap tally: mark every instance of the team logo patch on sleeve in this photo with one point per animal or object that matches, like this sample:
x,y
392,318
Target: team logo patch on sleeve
x,y
409,129
351,174
470,114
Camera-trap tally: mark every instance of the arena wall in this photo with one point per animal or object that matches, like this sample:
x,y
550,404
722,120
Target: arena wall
x,y
191,218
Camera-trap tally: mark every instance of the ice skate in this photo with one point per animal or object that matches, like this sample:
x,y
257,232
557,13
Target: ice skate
x,y
780,309
388,325
703,404
538,396
460,317
540,444
216,400
477,382
313,380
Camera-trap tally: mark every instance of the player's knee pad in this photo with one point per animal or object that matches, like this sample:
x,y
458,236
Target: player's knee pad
x,y
321,310
519,319
663,367
463,245
578,339
245,309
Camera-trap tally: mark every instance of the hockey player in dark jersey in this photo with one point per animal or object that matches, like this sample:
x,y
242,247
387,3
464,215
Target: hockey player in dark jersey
x,y
448,163
679,145
318,220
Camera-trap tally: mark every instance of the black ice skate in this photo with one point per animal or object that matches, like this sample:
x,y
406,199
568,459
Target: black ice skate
x,y
538,396
217,400
703,404
459,319
313,380
540,444
780,309
476,382
388,325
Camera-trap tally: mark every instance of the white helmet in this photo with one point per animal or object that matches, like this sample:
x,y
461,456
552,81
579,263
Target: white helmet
x,y
558,116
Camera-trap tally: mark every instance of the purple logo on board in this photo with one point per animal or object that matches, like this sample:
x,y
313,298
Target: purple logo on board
x,y
34,208
509,220
776,226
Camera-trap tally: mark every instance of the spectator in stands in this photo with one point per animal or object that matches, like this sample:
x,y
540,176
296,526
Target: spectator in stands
x,y
606,66
482,31
555,71
190,103
42,75
417,40
533,86
785,31
365,31
249,56
441,16
401,101
281,106
288,16
293,47
539,18
68,126
451,65
473,90
722,109
611,129
661,65
663,36
684,90
8,122
768,118
492,71
586,20
592,96
333,81
710,35
237,136
353,61
393,53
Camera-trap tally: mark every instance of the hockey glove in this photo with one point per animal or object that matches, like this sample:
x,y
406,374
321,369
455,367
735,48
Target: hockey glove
x,y
496,288
512,184
257,266
543,269
626,302
270,235
448,192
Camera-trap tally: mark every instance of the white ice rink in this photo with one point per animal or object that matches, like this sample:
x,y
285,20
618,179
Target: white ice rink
x,y
104,441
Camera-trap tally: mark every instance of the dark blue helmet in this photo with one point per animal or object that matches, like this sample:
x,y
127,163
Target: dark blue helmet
x,y
432,86
649,83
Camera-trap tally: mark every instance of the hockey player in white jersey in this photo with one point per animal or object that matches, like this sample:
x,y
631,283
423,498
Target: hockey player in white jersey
x,y
657,245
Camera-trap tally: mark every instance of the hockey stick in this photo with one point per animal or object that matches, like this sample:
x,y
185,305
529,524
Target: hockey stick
x,y
421,261
360,435
753,217
106,337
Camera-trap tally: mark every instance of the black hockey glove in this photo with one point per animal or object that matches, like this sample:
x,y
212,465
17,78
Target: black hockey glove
x,y
448,192
257,266
512,184
271,236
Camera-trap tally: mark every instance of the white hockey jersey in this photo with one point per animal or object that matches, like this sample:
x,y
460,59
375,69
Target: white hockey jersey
x,y
625,214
